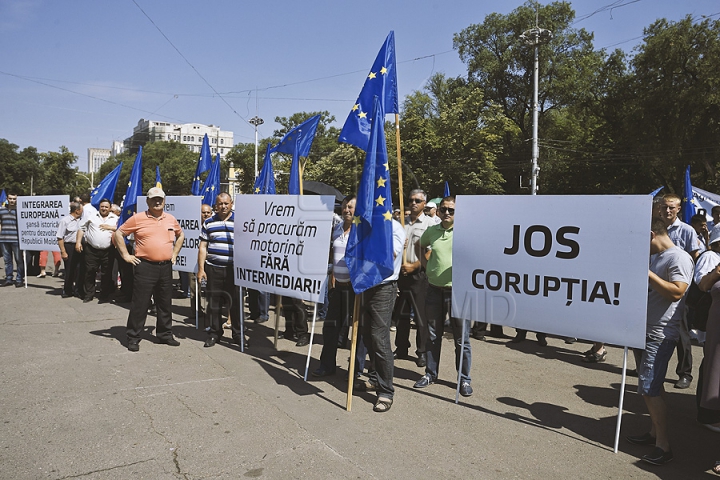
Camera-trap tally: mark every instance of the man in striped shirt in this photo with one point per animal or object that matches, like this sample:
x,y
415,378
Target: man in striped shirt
x,y
10,244
215,265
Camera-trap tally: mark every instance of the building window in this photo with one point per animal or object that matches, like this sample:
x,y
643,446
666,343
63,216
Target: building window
x,y
221,150
184,138
221,141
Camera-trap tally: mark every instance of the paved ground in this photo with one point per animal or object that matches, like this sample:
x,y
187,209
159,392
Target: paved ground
x,y
75,403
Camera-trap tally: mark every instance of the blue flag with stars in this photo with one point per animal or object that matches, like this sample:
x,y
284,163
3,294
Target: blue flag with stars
x,y
299,139
134,190
211,187
688,208
106,188
204,164
265,182
369,252
3,198
381,82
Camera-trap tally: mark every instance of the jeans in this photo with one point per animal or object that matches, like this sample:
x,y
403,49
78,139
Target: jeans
x,y
376,310
438,304
11,250
684,350
258,304
413,289
221,290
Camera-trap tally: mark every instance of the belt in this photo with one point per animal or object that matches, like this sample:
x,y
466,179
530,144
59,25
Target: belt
x,y
164,262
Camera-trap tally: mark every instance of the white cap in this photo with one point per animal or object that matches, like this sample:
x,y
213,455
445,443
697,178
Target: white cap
x,y
430,205
155,192
714,235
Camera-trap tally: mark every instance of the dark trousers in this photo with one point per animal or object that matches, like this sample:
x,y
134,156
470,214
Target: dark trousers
x,y
221,290
98,258
438,306
126,274
684,350
73,284
151,281
339,314
258,304
376,309
413,289
295,316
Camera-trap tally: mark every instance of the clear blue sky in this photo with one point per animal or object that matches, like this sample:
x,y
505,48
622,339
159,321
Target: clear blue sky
x,y
81,73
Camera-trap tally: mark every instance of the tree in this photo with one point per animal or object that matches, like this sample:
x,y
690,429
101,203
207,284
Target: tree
x,y
19,169
58,174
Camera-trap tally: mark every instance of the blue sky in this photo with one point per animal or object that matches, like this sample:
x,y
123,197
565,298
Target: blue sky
x,y
81,73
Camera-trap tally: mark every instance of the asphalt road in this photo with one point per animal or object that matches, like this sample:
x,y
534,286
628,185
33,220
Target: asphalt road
x,y
76,404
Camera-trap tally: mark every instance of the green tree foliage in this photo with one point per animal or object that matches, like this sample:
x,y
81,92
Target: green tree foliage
x,y
18,168
58,173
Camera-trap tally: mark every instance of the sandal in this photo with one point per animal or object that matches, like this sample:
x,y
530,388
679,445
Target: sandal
x,y
365,386
595,357
382,405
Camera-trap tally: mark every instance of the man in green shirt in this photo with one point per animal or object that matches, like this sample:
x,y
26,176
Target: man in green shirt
x,y
436,244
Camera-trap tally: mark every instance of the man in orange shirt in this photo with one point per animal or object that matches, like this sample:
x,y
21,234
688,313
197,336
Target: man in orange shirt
x,y
158,240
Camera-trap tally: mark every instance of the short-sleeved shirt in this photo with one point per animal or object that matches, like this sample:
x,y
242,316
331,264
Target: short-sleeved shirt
x,y
439,266
339,244
154,236
93,234
413,231
664,315
220,237
683,236
706,262
8,225
68,228
398,244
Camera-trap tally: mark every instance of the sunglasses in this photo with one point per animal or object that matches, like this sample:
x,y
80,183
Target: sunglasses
x,y
449,210
416,200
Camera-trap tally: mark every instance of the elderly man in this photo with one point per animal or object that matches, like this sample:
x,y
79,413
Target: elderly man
x,y
67,238
158,240
671,271
215,264
431,211
412,284
10,244
97,230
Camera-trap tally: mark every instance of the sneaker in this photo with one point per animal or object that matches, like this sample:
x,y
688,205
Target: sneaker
x,y
466,389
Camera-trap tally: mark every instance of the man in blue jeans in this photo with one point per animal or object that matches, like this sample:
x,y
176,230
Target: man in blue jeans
x,y
9,242
436,247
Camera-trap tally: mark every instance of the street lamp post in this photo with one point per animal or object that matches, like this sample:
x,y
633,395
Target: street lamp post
x,y
535,37
86,178
255,121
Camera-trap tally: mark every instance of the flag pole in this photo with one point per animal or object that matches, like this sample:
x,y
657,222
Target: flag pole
x,y
353,350
400,182
301,169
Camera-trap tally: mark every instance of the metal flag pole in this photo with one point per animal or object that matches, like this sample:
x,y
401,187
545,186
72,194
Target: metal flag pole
x,y
312,334
622,397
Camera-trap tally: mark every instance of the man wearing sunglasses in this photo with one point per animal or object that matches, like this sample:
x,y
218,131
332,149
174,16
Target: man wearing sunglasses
x,y
437,243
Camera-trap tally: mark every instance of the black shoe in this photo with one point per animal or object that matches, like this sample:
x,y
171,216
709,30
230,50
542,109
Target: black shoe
x,y
658,456
87,300
684,382
8,283
466,389
323,372
425,381
134,347
236,341
19,285
421,360
477,334
103,300
170,341
65,295
400,354
261,319
518,338
570,340
210,342
303,340
542,339
290,336
644,439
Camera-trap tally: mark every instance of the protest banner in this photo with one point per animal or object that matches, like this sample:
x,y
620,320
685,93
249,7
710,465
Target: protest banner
x,y
282,244
38,219
575,266
187,211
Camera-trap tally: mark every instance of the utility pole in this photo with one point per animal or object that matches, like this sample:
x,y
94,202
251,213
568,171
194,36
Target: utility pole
x,y
535,37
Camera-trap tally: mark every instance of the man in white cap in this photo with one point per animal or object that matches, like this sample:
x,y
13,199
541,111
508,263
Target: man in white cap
x,y
431,211
158,240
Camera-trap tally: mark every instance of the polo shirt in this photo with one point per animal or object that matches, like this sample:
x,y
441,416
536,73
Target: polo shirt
x,y
220,237
439,266
683,236
154,237
8,225
68,228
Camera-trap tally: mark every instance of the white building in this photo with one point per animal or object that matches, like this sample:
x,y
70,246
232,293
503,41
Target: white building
x,y
117,148
190,134
96,157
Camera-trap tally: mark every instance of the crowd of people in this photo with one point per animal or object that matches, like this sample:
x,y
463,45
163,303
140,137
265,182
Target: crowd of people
x,y
418,291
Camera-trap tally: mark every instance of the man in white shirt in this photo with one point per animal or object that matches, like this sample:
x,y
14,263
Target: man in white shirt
x,y
97,230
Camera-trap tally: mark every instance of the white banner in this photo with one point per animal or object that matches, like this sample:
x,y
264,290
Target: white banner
x,y
187,211
707,200
38,219
282,243
575,266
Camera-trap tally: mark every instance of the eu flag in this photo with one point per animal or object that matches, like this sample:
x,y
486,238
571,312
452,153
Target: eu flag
x,y
294,183
381,82
369,252
134,190
211,187
688,208
158,181
204,164
299,139
265,182
106,188
3,198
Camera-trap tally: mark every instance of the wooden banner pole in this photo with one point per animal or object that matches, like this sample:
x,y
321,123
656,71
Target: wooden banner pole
x,y
353,350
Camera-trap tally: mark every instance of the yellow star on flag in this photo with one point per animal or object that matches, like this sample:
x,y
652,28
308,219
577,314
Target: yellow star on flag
x,y
129,183
355,107
257,189
372,75
383,70
381,182
387,215
380,200
386,165
362,115
356,220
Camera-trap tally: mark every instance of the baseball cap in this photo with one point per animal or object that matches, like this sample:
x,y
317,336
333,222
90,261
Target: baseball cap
x,y
155,192
430,205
